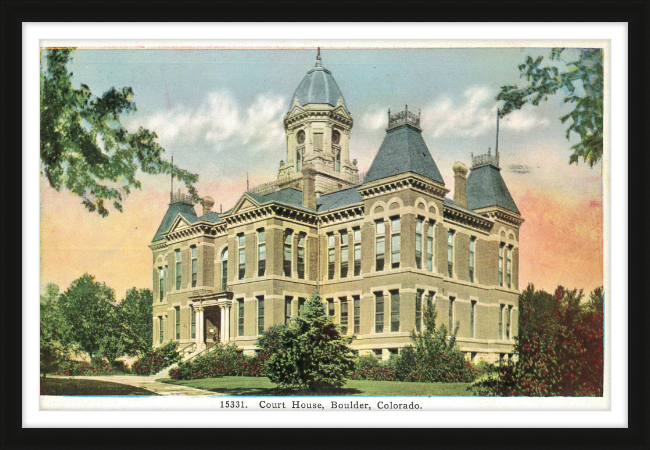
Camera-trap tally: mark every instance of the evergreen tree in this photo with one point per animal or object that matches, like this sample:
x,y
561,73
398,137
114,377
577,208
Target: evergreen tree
x,y
56,343
310,351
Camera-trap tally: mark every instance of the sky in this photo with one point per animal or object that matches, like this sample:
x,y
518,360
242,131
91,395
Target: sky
x,y
219,112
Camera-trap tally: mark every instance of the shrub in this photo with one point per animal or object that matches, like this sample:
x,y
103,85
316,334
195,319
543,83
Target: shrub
x,y
378,373
562,356
96,367
221,360
365,362
156,360
310,351
433,357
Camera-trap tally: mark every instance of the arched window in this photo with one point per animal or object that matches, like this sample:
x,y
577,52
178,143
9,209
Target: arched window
x,y
224,269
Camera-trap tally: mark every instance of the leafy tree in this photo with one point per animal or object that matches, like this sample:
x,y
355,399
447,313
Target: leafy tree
x,y
134,321
433,357
84,146
310,351
88,307
560,357
56,342
581,82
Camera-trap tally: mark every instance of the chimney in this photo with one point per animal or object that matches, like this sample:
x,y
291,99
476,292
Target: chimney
x,y
460,179
309,187
208,203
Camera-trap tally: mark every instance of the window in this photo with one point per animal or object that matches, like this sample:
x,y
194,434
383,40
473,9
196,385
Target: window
x,y
177,321
330,307
508,317
395,241
430,229
301,256
451,315
378,353
240,316
380,246
394,311
356,232
501,247
161,283
344,315
301,305
509,267
288,238
472,318
501,309
330,256
178,268
337,159
450,253
472,246
195,265
161,330
300,153
224,270
379,312
192,323
261,253
165,279
357,313
318,142
430,299
418,309
287,309
344,254
260,314
241,243
418,243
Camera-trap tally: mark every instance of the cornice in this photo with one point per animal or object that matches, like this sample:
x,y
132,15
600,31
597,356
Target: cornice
x,y
408,181
464,218
503,215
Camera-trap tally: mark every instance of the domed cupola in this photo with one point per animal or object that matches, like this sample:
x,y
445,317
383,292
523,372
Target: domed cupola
x,y
318,87
317,127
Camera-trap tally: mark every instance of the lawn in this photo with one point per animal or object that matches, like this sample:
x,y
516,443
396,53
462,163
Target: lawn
x,y
65,386
262,386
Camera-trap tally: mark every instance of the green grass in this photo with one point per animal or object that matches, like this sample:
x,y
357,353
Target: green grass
x,y
65,386
262,386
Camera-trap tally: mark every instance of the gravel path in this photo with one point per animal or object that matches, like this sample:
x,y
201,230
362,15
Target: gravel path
x,y
148,383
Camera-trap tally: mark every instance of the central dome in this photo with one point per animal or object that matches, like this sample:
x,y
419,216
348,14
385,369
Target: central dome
x,y
318,87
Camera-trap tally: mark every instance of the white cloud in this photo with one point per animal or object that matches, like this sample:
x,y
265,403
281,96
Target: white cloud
x,y
219,122
374,120
474,114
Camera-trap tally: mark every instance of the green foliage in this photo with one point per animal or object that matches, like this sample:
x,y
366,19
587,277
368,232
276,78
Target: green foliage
x,y
310,351
365,362
84,146
433,357
88,308
156,360
582,84
562,356
55,337
221,360
134,321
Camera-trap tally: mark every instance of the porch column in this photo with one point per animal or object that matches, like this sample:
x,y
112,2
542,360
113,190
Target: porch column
x,y
222,334
201,328
228,323
197,321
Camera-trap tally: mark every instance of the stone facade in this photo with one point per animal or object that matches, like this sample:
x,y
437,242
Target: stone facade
x,y
225,277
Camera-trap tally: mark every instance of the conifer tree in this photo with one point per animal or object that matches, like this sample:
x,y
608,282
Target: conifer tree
x,y
310,351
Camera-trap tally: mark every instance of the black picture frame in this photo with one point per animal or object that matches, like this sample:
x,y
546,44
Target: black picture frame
x,y
635,13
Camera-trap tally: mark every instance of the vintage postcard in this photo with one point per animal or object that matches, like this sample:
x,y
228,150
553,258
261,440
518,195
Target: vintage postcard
x,y
383,226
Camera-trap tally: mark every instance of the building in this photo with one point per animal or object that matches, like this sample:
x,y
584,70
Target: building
x,y
378,248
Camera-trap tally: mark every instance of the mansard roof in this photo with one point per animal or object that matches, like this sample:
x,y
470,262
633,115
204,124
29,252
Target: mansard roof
x,y
485,187
338,199
403,150
184,209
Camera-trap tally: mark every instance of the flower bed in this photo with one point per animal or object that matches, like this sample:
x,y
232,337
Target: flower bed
x,y
156,360
85,368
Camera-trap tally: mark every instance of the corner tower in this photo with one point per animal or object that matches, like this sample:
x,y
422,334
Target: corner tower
x,y
317,128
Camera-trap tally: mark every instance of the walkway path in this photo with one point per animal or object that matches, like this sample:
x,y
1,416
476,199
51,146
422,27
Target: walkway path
x,y
148,383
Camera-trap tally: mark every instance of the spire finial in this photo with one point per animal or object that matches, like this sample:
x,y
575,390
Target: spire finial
x,y
497,146
319,62
171,192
